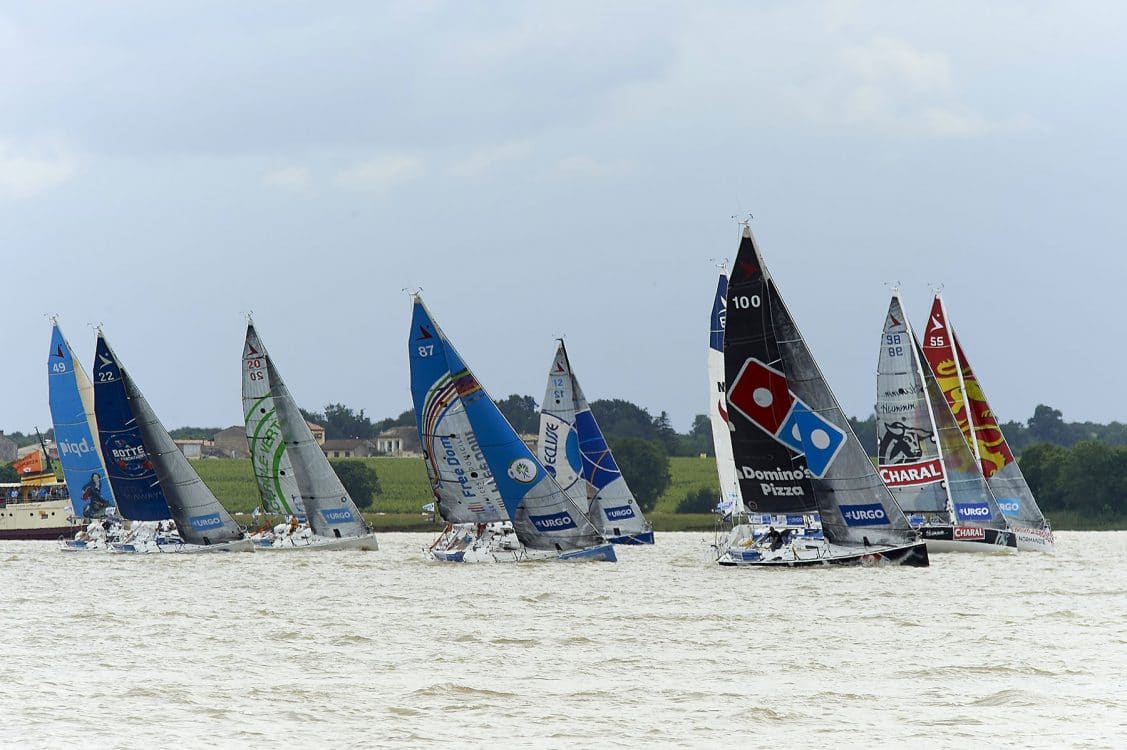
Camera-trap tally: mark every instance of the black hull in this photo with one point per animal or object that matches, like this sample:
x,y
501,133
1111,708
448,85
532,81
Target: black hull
x,y
945,538
911,555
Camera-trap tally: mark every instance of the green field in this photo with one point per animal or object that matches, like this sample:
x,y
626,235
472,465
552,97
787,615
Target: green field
x,y
406,490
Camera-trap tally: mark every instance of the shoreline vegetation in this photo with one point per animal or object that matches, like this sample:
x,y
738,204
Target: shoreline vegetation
x,y
406,490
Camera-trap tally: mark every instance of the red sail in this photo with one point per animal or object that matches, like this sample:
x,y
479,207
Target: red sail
x,y
947,360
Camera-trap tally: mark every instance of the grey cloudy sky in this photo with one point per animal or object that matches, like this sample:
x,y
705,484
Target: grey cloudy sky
x,y
548,168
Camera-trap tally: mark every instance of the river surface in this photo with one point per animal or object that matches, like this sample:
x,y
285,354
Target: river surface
x,y
382,649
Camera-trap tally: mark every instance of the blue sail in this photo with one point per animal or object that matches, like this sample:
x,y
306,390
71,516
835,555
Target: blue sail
x,y
719,312
460,476
131,472
543,516
71,400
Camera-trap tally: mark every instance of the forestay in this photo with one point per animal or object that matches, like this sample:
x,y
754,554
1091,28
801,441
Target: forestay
x,y
128,466
574,451
71,398
273,470
792,444
977,421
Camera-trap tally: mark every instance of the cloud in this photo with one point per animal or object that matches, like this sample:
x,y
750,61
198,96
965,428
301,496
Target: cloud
x,y
486,158
382,173
293,179
28,171
588,166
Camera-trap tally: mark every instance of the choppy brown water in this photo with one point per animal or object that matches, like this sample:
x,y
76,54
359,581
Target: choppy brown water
x,y
663,649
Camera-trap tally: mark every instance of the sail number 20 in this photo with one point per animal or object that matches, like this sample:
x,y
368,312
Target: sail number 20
x,y
745,301
252,366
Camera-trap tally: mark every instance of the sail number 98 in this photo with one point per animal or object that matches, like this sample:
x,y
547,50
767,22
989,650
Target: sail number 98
x,y
895,349
745,301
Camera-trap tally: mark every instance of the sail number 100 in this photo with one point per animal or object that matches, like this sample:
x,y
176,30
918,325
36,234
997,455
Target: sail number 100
x,y
745,301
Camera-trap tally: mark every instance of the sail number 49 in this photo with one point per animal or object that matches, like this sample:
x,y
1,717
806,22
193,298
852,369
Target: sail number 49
x,y
745,301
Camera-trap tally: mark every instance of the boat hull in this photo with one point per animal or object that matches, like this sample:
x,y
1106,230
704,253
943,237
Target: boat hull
x,y
179,548
910,555
645,537
969,539
41,534
598,553
367,543
1035,540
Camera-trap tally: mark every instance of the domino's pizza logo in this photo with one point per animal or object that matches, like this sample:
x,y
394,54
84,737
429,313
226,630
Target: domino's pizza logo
x,y
761,394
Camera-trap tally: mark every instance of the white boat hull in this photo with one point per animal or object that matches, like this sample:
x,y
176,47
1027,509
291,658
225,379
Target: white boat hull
x,y
321,543
1035,540
150,546
497,543
819,552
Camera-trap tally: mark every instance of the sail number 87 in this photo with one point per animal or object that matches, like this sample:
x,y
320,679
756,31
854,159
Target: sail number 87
x,y
745,301
426,350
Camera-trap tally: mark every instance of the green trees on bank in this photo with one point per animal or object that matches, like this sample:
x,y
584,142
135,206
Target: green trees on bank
x,y
1088,480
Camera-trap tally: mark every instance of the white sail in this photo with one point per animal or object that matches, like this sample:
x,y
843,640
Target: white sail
x,y
731,501
273,470
575,452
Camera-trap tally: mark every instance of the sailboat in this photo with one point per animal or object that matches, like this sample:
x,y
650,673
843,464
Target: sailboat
x,y
293,474
793,447
921,453
151,479
273,469
731,503
980,427
574,451
71,398
499,502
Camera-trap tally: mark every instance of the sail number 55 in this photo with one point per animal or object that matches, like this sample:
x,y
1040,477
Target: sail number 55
x,y
745,301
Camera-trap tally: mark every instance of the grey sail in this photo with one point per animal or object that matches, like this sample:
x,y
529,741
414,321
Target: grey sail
x,y
908,450
200,517
273,469
329,509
